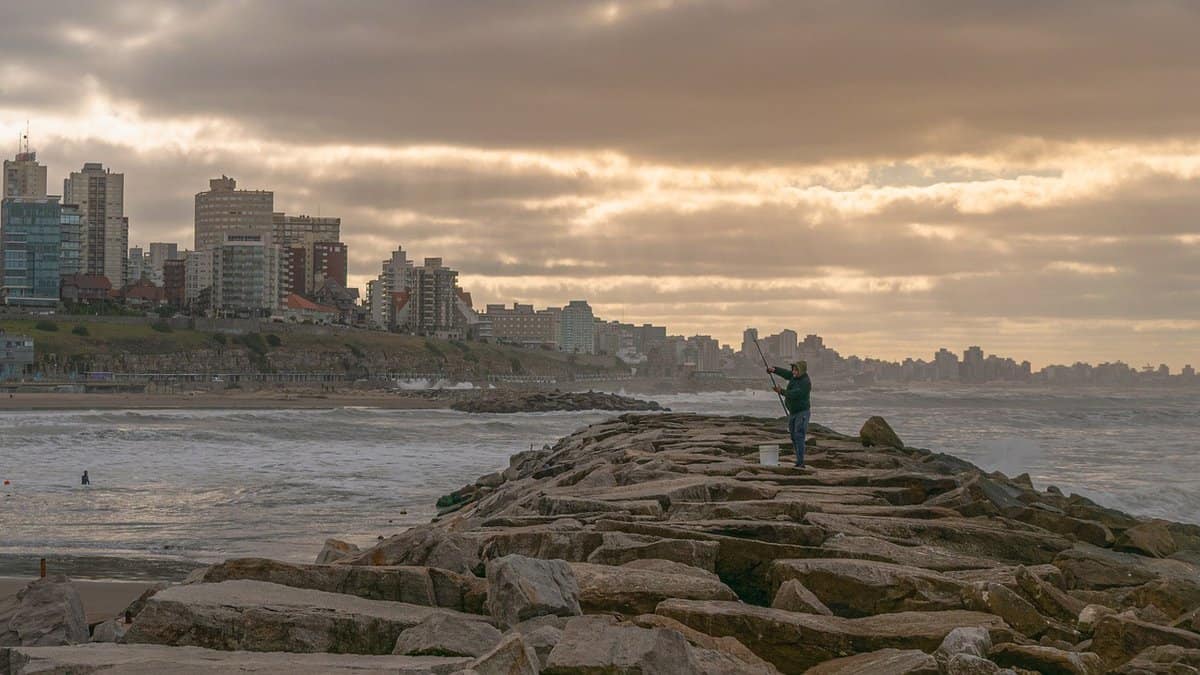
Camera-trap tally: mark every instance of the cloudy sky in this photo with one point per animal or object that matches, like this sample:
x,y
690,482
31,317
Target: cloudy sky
x,y
896,176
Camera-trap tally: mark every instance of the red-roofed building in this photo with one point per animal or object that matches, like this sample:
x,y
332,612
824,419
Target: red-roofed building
x,y
143,292
299,309
86,287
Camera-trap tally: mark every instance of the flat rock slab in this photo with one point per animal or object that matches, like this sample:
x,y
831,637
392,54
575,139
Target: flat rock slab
x,y
158,659
882,662
266,617
416,585
795,642
863,587
632,591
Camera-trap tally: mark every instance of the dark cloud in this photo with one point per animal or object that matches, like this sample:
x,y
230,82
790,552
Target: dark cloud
x,y
899,175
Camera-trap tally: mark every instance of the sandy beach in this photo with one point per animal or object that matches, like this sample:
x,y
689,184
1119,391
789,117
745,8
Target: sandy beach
x,y
101,599
215,400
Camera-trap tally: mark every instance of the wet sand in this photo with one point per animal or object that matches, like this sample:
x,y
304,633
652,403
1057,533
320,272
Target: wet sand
x,y
101,599
215,400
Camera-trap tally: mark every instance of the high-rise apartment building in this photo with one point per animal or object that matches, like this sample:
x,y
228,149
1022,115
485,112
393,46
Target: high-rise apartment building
x,y
23,176
70,259
100,195
198,275
578,333
330,260
223,209
394,277
174,274
30,247
427,305
522,325
137,265
291,230
245,274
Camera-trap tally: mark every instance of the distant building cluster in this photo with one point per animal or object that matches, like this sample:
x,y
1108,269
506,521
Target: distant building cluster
x,y
250,261
973,367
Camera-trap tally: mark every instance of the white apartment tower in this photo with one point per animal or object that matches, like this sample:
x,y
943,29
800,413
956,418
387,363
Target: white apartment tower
x,y
23,176
223,209
100,194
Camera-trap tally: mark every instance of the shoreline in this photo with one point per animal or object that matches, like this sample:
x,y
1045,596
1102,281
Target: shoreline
x,y
263,400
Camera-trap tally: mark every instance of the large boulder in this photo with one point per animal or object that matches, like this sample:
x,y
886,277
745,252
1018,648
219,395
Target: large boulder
x,y
1006,604
1046,598
619,548
975,642
731,647
794,597
1094,568
112,630
794,642
882,662
1047,660
447,635
1150,538
1121,637
155,659
521,588
1163,660
425,545
877,432
863,587
427,586
259,616
598,645
512,655
335,550
966,664
631,591
46,612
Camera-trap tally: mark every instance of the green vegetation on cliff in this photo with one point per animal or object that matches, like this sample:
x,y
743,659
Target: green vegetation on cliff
x,y
147,347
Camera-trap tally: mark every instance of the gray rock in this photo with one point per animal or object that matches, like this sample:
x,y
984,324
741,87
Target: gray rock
x,y
427,586
973,642
157,659
631,591
618,548
335,550
425,545
1120,637
1092,615
521,588
1005,603
794,597
259,616
877,432
966,664
793,642
597,645
882,662
112,630
1150,538
864,587
47,612
670,567
446,635
1047,660
513,655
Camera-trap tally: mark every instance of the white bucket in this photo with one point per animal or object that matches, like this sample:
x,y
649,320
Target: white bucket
x,y
768,455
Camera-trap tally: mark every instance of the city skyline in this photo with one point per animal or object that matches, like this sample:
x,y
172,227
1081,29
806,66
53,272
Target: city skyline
x,y
1009,211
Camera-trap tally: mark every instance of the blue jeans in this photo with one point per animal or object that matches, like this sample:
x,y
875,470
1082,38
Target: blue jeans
x,y
798,429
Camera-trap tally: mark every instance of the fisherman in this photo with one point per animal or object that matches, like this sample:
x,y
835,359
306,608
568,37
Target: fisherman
x,y
85,480
796,401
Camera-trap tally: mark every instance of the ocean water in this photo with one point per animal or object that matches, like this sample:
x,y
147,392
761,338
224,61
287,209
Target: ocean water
x,y
173,488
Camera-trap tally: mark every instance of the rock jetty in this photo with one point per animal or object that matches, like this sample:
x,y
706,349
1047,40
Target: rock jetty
x,y
657,544
512,401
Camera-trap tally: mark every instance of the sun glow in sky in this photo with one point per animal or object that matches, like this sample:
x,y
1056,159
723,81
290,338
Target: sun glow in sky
x,y
895,180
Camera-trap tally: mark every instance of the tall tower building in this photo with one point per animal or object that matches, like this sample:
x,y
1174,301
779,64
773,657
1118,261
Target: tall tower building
x,y
23,176
223,209
100,195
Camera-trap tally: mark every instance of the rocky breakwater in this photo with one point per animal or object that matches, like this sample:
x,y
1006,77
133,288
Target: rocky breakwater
x,y
658,544
510,401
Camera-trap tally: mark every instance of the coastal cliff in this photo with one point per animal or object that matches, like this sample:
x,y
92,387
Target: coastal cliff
x,y
660,544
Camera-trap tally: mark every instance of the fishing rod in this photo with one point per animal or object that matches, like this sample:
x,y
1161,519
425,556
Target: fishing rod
x,y
772,376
